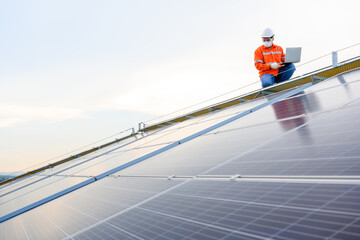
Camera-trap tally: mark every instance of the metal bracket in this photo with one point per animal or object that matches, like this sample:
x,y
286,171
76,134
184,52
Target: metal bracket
x,y
141,126
235,177
264,92
170,177
317,78
258,94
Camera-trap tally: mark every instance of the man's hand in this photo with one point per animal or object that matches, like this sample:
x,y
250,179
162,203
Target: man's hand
x,y
275,65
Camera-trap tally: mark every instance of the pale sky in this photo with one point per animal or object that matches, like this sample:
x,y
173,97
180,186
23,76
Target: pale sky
x,y
74,72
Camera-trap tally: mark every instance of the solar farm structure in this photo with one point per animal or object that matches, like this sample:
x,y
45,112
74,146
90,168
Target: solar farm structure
x,y
279,163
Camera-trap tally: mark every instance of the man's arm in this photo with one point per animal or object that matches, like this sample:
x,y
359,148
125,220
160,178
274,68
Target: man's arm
x,y
259,61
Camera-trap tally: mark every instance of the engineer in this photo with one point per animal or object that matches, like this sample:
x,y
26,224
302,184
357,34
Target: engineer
x,y
268,60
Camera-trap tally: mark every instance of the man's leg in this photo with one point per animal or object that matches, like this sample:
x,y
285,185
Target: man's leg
x,y
267,80
285,73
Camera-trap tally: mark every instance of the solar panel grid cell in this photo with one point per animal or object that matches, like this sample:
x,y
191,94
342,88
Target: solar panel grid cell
x,y
107,232
13,230
32,228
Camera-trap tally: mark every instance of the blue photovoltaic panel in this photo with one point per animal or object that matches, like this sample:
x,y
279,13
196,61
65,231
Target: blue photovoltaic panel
x,y
327,145
206,152
243,210
83,208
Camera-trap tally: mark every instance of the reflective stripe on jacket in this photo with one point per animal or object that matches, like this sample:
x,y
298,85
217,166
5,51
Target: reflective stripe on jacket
x,y
264,56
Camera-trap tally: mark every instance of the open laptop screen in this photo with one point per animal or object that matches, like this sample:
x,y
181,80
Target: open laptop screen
x,y
293,55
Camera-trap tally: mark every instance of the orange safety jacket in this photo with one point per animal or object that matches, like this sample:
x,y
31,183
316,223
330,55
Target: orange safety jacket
x,y
264,56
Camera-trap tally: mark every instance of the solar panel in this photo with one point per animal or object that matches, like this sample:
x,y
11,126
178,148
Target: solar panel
x,y
239,209
272,141
282,167
26,202
82,208
158,140
325,147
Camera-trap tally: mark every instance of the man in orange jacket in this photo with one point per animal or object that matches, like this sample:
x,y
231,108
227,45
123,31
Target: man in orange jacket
x,y
268,60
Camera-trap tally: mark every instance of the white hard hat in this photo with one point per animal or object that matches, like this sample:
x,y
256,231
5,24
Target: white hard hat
x,y
267,33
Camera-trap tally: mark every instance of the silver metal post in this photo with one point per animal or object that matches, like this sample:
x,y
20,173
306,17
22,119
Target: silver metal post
x,y
335,59
141,126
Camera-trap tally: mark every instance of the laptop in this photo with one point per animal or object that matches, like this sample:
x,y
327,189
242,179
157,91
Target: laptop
x,y
292,55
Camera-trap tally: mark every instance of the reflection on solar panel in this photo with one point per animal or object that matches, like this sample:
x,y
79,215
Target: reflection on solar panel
x,y
284,166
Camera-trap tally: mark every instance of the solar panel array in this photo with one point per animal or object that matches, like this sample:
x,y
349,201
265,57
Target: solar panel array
x,y
286,166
